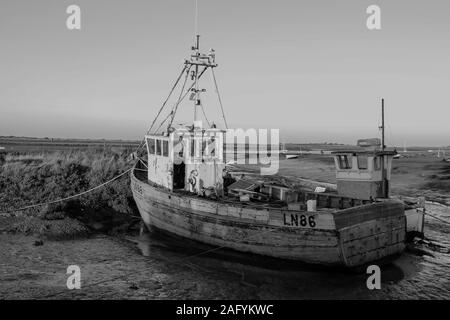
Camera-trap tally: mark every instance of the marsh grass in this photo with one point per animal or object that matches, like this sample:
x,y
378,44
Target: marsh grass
x,y
31,178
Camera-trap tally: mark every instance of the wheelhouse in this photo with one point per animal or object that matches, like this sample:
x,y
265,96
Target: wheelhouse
x,y
363,174
189,159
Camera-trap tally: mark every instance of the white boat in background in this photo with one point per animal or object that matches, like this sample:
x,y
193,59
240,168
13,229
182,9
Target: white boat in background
x,y
289,154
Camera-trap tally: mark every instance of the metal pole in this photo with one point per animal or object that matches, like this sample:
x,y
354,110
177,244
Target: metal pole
x,y
197,95
382,125
384,184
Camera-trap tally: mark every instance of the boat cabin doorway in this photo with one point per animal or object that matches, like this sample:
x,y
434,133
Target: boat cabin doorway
x,y
179,174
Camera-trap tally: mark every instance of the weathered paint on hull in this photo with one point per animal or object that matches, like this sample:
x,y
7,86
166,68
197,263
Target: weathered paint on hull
x,y
271,232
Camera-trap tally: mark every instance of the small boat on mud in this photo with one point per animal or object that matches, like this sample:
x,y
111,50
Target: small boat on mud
x,y
289,154
184,187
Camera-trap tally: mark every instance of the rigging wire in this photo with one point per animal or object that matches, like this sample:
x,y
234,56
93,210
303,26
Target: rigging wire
x,y
192,85
220,99
167,99
204,114
142,143
182,98
175,108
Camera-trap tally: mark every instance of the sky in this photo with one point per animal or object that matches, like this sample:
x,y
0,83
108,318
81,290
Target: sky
x,y
309,68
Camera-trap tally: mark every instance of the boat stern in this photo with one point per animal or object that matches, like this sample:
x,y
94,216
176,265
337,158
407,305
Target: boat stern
x,y
370,234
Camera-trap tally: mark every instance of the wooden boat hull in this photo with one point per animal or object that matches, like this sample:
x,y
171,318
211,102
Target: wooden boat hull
x,y
350,237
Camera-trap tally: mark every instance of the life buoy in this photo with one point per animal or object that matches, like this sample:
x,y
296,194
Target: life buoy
x,y
193,179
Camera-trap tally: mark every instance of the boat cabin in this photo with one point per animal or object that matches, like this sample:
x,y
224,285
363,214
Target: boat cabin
x,y
189,159
363,174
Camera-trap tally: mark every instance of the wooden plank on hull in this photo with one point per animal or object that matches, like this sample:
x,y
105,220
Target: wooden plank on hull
x,y
375,255
374,242
372,227
357,215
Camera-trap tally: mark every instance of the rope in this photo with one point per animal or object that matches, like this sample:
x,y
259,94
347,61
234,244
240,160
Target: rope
x,y
437,218
143,163
220,100
66,198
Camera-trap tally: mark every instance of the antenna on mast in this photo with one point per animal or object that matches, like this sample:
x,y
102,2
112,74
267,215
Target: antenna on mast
x,y
196,19
196,35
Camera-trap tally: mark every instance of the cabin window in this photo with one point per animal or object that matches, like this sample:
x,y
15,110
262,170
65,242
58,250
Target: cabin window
x,y
377,163
158,147
165,148
344,162
151,146
362,162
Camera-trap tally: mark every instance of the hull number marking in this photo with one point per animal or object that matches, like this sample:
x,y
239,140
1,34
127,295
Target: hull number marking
x,y
298,220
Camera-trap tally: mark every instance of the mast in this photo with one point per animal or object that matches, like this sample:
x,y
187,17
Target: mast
x,y
197,94
195,66
384,182
382,125
198,61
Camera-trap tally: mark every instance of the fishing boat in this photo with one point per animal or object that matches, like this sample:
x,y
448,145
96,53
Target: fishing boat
x,y
184,187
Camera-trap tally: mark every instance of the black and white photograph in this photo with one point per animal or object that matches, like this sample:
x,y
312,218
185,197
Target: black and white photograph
x,y
242,152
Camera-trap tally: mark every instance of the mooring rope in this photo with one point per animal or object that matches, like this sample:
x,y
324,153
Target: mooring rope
x,y
66,198
437,218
